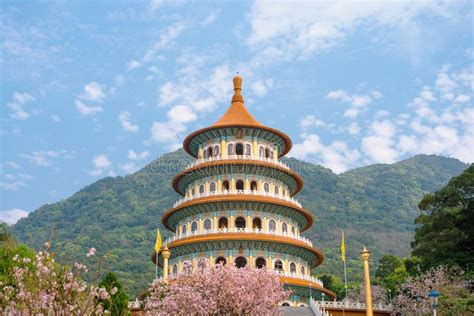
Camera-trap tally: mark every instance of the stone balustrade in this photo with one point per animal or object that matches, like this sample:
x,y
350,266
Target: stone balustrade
x,y
239,230
350,305
233,192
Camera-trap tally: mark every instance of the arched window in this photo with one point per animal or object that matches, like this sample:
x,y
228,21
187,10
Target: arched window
x,y
223,223
267,153
276,190
205,153
285,304
221,260
293,267
240,222
209,151
239,185
212,187
293,231
248,149
260,152
239,149
175,268
284,228
257,223
187,266
185,228
240,262
207,224
266,187
201,189
230,149
193,191
283,192
216,151
253,185
225,186
272,225
260,262
302,270
194,227
278,265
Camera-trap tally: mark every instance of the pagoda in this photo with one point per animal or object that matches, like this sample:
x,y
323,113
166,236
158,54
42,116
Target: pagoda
x,y
238,204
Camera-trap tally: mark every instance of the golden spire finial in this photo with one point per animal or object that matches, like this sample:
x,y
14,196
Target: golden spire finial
x,y
237,88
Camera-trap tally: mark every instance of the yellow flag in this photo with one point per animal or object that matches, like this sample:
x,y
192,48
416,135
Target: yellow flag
x,y
343,248
158,242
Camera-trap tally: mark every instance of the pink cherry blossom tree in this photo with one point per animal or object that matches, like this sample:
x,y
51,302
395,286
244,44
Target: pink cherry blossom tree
x,y
455,296
37,285
221,290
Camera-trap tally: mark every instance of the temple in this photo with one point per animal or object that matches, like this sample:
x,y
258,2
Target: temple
x,y
238,204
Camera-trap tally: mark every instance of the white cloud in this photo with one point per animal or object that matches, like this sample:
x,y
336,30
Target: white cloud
x,y
353,128
462,98
299,31
340,95
181,114
261,87
167,132
380,146
337,156
132,155
45,157
15,181
101,164
12,216
128,167
134,64
210,18
55,118
17,105
358,102
124,118
87,110
93,92
311,121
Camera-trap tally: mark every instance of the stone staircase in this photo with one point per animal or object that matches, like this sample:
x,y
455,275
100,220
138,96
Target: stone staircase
x,y
296,311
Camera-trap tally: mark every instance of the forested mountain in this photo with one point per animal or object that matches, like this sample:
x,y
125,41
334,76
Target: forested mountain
x,y
375,205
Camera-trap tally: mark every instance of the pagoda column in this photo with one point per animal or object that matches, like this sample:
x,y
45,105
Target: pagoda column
x,y
223,148
166,253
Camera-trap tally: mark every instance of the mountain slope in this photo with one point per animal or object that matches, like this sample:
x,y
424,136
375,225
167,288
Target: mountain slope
x,y
376,205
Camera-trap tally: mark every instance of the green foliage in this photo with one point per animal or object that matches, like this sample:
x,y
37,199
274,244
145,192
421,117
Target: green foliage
x,y
391,272
446,232
118,303
7,254
333,283
375,205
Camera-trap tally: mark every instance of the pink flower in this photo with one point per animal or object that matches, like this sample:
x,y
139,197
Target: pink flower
x,y
91,252
114,290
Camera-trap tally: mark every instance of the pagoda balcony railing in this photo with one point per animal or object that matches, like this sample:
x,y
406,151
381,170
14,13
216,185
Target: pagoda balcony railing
x,y
239,230
350,305
238,157
302,277
233,192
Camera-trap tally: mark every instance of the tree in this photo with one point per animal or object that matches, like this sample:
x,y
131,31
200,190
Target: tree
x,y
118,303
446,232
357,294
391,272
221,290
333,283
455,297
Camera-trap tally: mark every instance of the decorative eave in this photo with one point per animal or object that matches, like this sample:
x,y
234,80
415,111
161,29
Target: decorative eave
x,y
198,169
191,137
306,286
267,240
238,197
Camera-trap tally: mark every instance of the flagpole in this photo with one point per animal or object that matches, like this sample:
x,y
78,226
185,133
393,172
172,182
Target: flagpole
x,y
156,266
345,270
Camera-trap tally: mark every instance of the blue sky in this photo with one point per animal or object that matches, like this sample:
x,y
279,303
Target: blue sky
x,y
97,88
